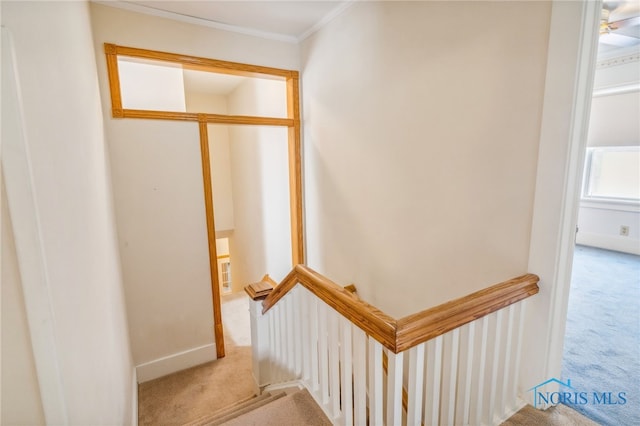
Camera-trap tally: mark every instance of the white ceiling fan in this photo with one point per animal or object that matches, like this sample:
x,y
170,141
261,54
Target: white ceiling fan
x,y
620,23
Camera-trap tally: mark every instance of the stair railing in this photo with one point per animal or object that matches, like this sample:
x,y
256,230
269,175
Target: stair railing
x,y
458,362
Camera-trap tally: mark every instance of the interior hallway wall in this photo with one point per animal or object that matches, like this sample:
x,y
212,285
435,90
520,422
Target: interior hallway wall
x,y
420,146
613,122
261,241
219,155
21,403
75,307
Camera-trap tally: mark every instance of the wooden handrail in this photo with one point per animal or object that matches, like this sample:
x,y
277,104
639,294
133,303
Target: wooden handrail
x,y
373,321
425,325
405,333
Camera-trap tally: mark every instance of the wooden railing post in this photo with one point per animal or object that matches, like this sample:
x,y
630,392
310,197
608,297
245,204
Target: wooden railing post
x,y
260,336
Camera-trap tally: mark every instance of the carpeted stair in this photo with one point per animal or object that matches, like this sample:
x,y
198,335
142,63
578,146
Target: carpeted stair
x,y
560,415
279,408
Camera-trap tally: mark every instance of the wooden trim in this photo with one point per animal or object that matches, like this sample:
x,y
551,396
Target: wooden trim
x,y
373,321
261,289
199,63
208,118
248,120
270,280
114,79
211,238
405,333
223,256
351,288
160,115
295,170
292,122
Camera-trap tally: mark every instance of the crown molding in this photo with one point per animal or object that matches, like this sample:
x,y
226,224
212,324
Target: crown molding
x,y
333,14
618,60
132,7
617,90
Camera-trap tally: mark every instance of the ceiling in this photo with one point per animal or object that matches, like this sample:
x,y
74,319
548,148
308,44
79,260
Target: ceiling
x,y
623,32
291,20
294,20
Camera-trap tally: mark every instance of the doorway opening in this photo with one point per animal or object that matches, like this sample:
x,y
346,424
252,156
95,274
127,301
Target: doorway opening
x,y
244,104
224,266
602,335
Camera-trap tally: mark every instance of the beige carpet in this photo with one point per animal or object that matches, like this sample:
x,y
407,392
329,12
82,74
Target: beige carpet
x,y
191,394
297,409
560,415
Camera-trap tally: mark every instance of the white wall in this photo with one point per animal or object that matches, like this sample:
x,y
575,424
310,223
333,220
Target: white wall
x,y
613,122
82,320
156,165
222,246
219,156
21,403
151,86
421,127
162,234
261,242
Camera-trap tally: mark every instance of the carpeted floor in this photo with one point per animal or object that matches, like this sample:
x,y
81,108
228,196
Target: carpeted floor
x,y
602,343
559,415
193,393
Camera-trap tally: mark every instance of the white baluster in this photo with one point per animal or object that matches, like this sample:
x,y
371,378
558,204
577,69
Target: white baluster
x,y
314,349
298,339
275,344
496,363
323,355
375,382
415,386
281,339
481,372
436,380
471,335
306,319
333,341
507,373
453,377
359,376
346,371
516,377
394,388
291,341
284,341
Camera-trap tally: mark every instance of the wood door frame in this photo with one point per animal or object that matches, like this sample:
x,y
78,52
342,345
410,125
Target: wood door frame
x,y
292,122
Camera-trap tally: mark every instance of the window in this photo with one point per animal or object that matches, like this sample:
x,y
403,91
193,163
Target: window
x,y
612,174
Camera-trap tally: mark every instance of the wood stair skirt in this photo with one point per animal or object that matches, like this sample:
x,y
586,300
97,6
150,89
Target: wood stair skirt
x,y
276,408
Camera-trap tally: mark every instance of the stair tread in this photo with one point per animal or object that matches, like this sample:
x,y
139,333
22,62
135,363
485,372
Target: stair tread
x,y
203,420
298,408
559,415
256,403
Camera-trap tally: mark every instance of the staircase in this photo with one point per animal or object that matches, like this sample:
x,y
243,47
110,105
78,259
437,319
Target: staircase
x,y
277,408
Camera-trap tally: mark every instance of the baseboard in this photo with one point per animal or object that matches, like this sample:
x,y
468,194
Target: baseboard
x,y
520,404
134,402
285,385
175,362
609,242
